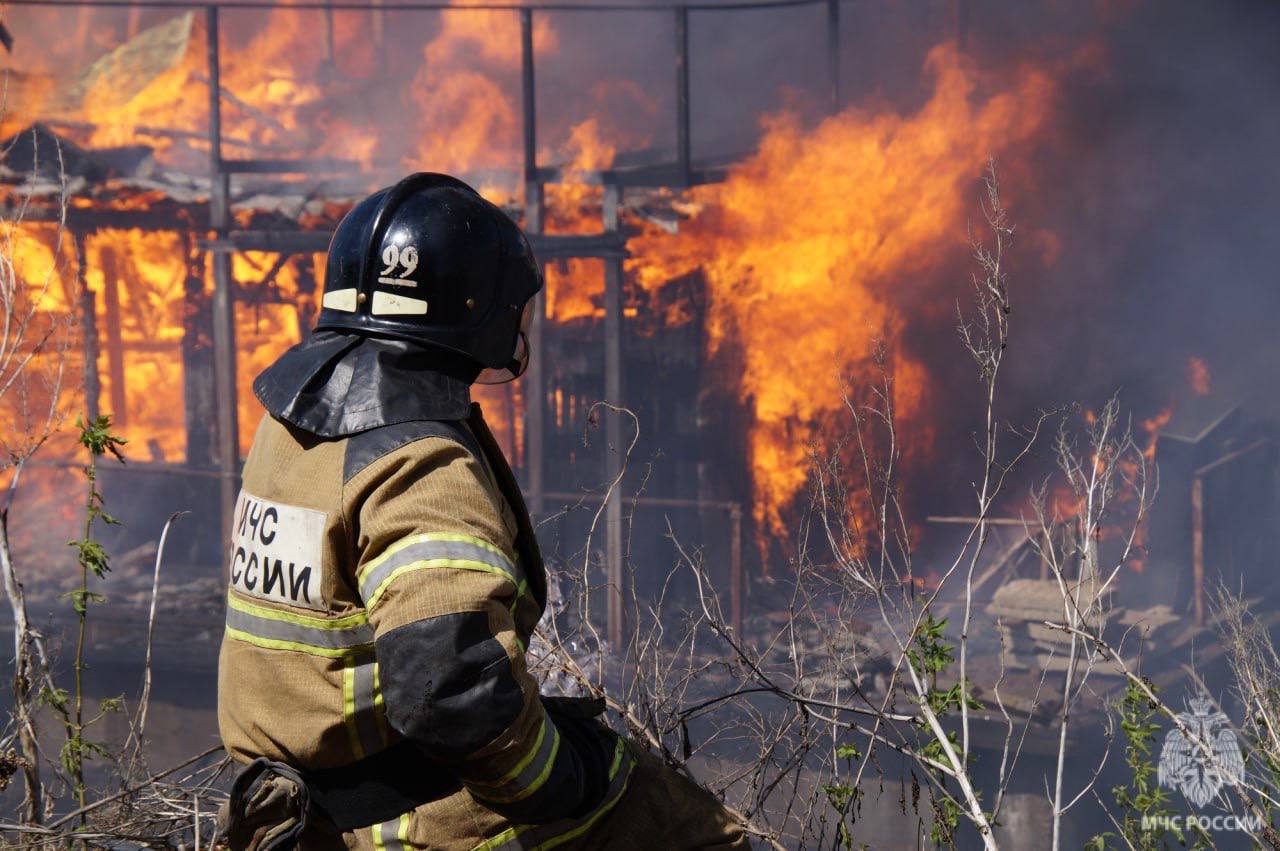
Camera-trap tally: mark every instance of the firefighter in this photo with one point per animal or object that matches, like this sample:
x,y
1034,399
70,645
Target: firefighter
x,y
385,578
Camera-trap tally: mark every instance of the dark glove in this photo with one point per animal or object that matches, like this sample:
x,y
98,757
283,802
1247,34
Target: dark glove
x,y
267,810
590,741
574,707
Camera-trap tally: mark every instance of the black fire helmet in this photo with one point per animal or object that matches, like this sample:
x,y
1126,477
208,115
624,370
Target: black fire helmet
x,y
429,261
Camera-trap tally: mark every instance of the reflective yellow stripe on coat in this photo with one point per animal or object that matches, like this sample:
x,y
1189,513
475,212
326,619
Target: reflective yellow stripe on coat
x,y
539,837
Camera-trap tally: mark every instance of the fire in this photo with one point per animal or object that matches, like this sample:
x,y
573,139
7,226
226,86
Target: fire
x,y
810,246
141,83
152,89
1198,376
466,93
285,309
138,280
575,287
1151,428
808,249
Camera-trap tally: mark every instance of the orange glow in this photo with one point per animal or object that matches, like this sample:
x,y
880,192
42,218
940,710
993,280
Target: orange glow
x,y
575,289
1198,376
466,93
138,282
1152,426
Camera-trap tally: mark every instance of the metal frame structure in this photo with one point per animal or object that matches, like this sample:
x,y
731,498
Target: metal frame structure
x,y
608,246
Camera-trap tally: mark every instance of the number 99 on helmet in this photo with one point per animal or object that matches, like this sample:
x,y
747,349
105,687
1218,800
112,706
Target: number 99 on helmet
x,y
431,262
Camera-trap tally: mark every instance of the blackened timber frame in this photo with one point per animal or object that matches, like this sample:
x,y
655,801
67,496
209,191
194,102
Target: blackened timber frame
x,y
609,246
227,440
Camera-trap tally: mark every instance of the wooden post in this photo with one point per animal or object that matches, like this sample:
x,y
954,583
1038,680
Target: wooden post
x,y
528,97
735,568
115,343
960,20
1044,562
330,43
535,396
378,29
224,319
614,574
1197,546
88,330
133,24
684,143
509,414
199,404
833,53
84,24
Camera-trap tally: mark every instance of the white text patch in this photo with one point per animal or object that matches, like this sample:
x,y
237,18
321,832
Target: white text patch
x,y
276,551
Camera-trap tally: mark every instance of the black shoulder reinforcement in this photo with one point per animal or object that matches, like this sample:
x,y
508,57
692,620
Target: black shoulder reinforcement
x,y
368,446
447,684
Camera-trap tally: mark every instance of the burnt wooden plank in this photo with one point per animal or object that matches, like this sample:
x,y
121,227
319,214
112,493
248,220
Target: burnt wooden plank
x,y
288,165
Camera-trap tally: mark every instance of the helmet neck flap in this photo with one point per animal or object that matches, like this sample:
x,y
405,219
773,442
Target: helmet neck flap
x,y
426,284
335,384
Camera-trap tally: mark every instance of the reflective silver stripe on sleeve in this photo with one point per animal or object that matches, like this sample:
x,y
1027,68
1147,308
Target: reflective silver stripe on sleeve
x,y
359,699
391,835
286,631
433,550
542,837
530,774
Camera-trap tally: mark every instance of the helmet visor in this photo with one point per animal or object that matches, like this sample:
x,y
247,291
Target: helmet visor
x,y
519,357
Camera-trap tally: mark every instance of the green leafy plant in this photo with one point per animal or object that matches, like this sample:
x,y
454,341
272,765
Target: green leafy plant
x,y
96,437
1144,808
932,656
843,797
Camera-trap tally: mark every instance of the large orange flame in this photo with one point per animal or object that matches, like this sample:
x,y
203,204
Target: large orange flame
x,y
811,246
466,93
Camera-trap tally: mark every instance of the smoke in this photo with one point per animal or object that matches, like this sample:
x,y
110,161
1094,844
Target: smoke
x,y
1161,192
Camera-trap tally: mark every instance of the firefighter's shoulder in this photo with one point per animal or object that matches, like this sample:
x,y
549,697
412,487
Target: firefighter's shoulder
x,y
427,476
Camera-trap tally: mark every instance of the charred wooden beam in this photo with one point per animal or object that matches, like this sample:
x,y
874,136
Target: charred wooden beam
x,y
378,29
833,53
647,501
306,278
88,331
736,602
535,380
161,217
330,43
603,245
115,347
223,307
534,212
960,20
288,166
276,241
1197,547
528,96
199,405
1197,521
660,174
684,142
546,246
616,582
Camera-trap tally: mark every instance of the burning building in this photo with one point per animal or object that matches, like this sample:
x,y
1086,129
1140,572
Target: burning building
x,y
721,296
